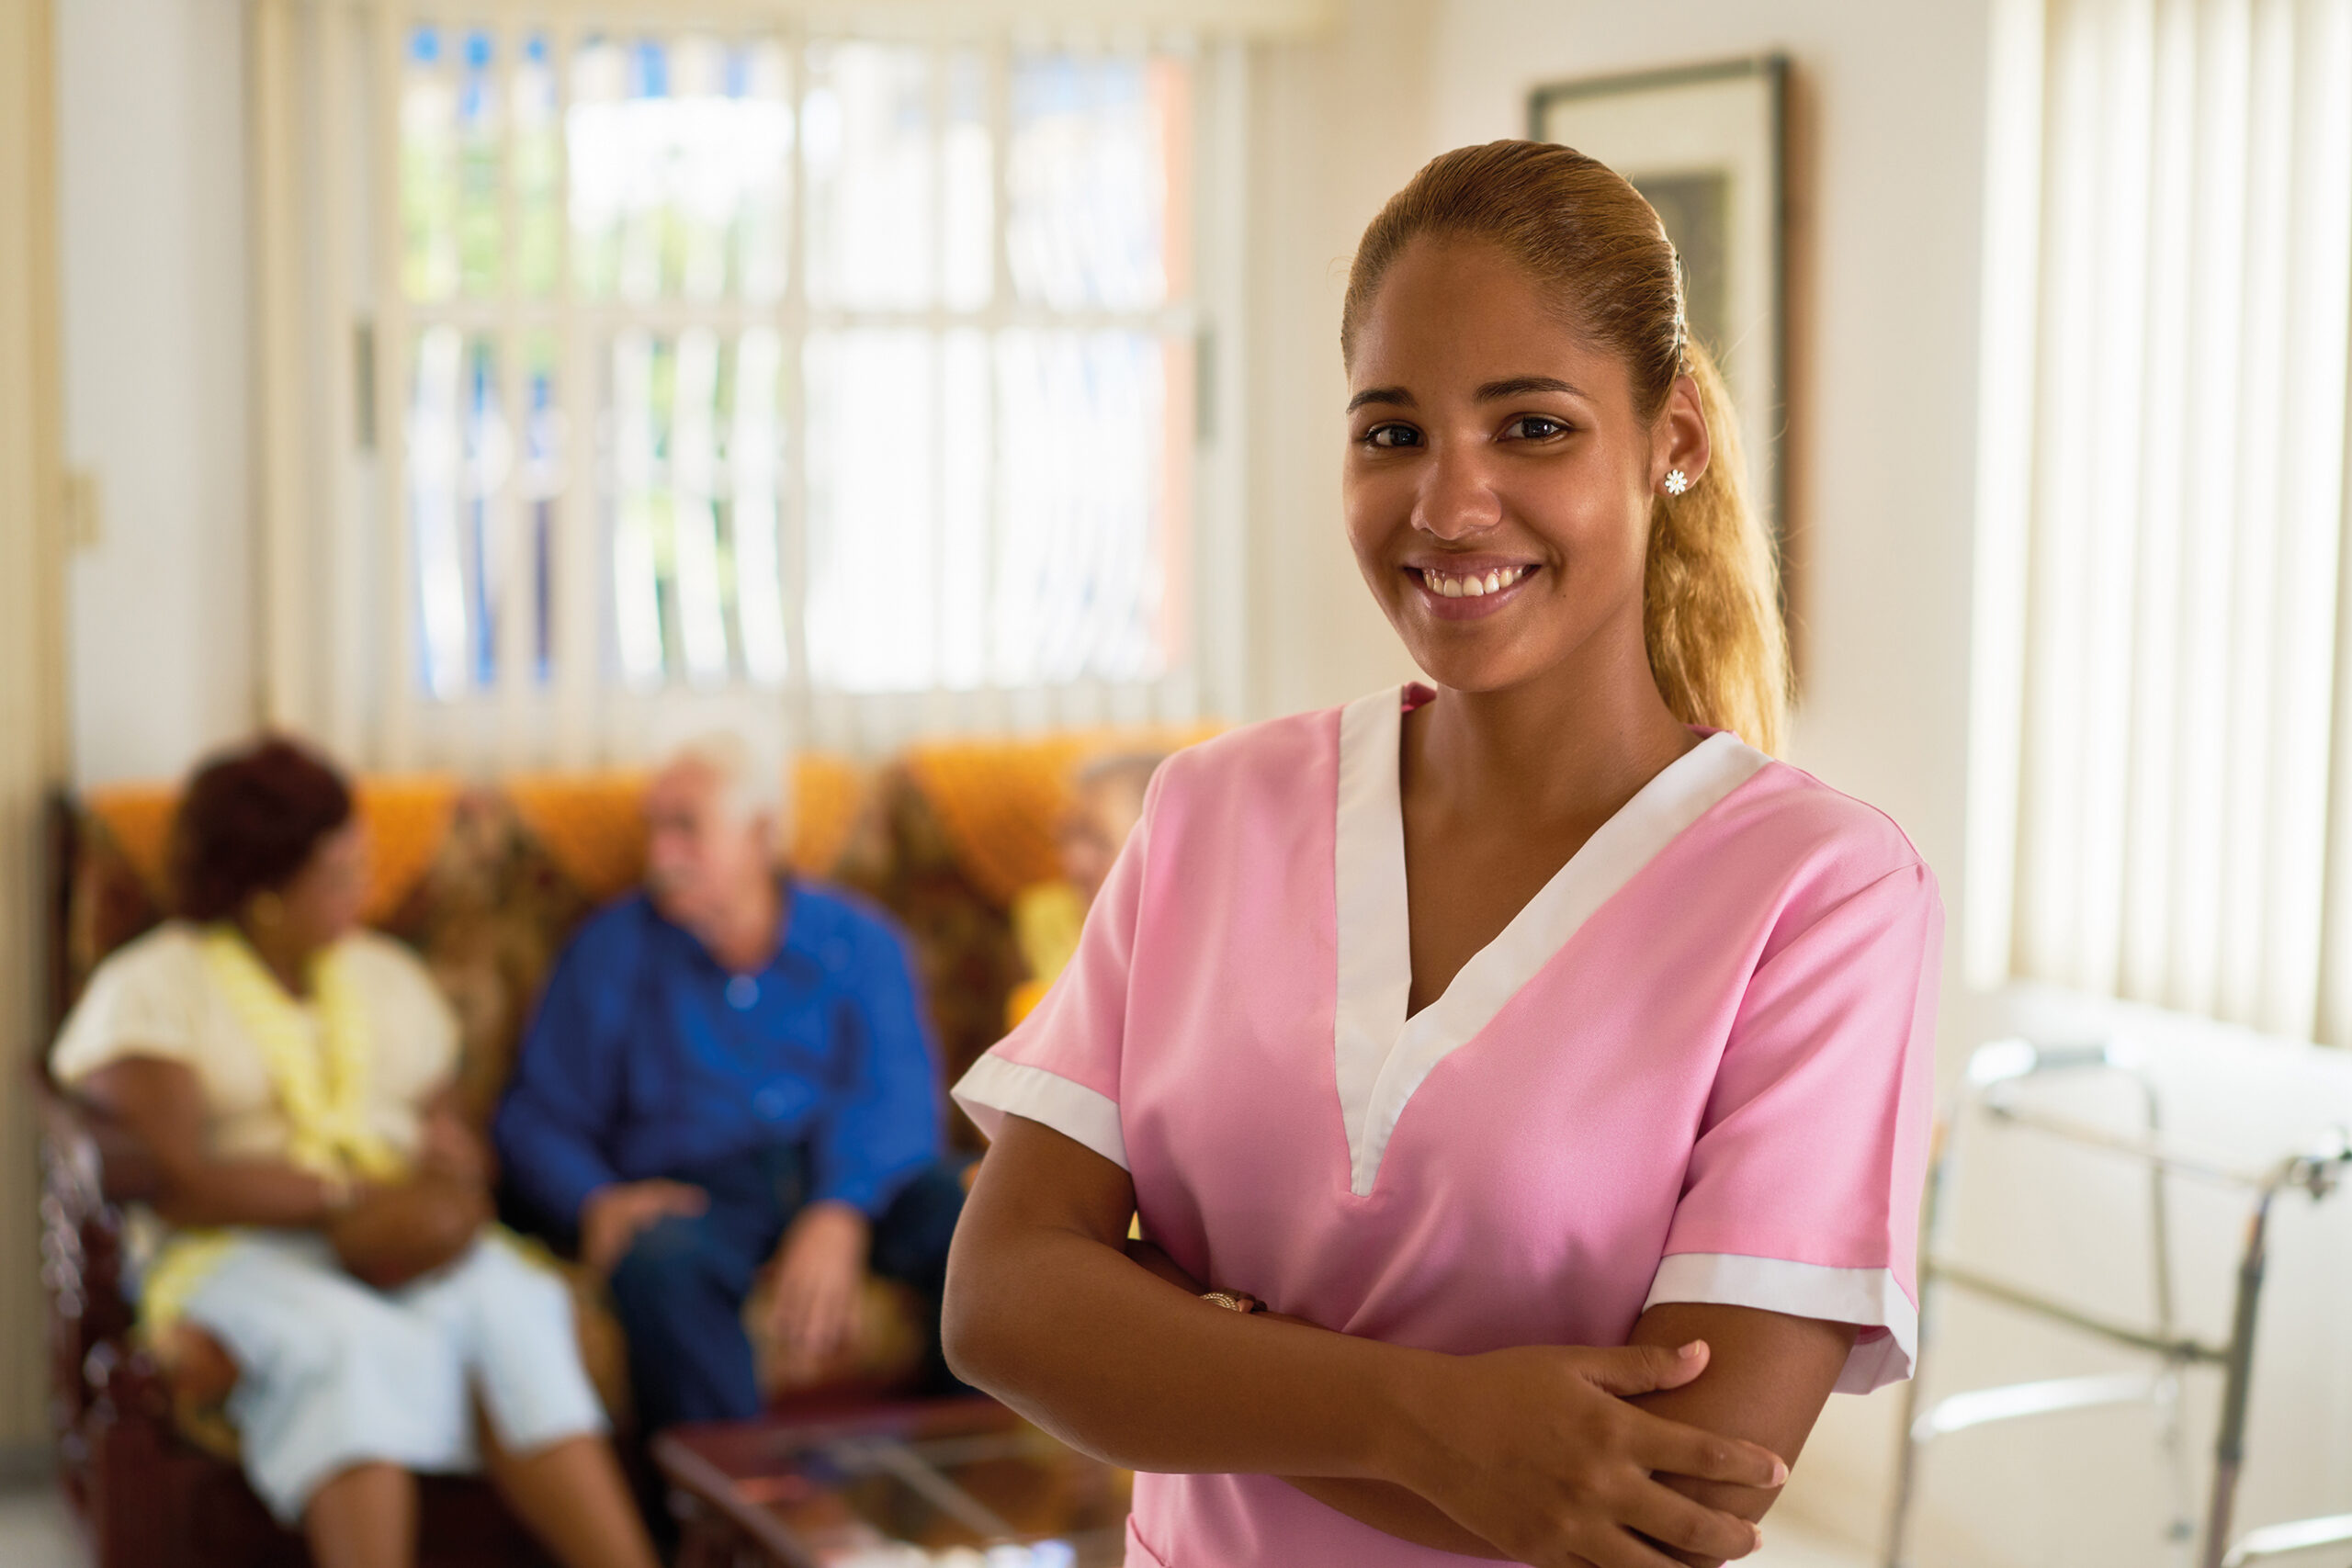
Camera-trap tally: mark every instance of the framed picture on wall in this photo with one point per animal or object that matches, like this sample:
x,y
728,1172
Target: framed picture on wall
x,y
1706,145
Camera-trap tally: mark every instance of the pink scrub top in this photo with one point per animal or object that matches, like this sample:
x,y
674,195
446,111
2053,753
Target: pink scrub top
x,y
1696,1068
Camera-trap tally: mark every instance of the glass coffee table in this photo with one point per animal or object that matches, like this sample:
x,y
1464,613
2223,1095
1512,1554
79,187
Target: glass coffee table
x,y
951,1483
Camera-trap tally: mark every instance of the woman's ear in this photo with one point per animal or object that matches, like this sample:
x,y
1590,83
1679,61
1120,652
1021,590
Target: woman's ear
x,y
1680,441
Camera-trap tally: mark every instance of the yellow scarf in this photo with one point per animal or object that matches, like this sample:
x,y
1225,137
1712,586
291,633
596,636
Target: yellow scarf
x,y
321,1080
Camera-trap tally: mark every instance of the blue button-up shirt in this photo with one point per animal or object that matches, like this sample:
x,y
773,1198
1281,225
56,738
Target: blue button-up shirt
x,y
648,1059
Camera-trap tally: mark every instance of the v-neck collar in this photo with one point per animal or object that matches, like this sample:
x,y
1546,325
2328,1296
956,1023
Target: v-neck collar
x,y
1382,1056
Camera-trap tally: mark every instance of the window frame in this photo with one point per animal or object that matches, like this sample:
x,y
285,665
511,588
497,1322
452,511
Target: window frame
x,y
340,633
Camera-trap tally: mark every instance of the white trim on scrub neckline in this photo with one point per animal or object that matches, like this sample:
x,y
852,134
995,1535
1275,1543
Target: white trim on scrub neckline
x,y
1380,1057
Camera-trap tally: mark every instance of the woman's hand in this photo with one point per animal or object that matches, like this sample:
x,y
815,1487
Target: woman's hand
x,y
154,1110
1536,1450
390,1235
1714,1534
447,1146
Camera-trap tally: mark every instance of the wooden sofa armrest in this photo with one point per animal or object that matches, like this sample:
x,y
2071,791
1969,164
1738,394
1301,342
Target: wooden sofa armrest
x,y
109,1165
97,1372
88,1168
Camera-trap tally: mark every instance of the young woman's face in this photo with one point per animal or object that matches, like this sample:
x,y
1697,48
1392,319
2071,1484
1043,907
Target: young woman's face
x,y
1499,478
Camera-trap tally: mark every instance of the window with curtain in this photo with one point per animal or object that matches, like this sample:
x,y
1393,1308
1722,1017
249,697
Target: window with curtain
x,y
2165,794
860,373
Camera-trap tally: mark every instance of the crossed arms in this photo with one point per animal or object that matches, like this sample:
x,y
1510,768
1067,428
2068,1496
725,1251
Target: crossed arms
x,y
1565,1456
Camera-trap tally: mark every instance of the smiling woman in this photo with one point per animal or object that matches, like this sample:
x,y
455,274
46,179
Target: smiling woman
x,y
1611,287
1550,1063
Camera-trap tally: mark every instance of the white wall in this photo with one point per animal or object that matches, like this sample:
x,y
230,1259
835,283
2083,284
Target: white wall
x,y
151,185
32,684
1336,126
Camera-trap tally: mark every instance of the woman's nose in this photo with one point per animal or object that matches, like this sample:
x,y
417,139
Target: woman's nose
x,y
1457,497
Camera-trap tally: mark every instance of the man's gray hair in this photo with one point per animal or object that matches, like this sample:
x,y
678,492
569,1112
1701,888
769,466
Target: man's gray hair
x,y
754,777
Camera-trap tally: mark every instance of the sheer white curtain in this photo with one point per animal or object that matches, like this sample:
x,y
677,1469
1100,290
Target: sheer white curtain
x,y
2163,801
614,362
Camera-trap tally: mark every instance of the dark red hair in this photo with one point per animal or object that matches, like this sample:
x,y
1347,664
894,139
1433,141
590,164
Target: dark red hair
x,y
248,821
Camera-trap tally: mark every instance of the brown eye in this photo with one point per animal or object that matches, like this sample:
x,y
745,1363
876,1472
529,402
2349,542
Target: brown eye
x,y
1393,435
1535,427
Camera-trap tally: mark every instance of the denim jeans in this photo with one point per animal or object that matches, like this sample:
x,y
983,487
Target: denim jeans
x,y
681,1287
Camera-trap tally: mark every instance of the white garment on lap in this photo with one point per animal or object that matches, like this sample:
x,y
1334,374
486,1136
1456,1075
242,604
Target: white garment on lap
x,y
332,1374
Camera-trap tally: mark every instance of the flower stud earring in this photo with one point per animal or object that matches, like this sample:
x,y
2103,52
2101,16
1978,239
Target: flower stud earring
x,y
1677,482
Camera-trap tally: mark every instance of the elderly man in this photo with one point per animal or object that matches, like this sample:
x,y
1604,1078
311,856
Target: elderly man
x,y
730,1067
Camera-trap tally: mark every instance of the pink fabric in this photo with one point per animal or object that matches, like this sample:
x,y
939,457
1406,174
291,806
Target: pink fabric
x,y
1731,1055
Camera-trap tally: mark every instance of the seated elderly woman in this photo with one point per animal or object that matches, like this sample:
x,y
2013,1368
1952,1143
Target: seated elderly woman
x,y
320,1213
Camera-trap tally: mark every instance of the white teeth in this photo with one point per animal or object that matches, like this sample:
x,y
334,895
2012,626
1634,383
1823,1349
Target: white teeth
x,y
1474,587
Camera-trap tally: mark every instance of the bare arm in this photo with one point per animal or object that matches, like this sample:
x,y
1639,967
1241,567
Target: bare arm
x,y
1530,1448
1767,1383
450,1145
160,1104
1385,1505
1045,1310
1767,1378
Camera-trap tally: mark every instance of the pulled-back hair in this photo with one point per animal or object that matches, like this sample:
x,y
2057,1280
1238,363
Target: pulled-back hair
x,y
248,821
1710,600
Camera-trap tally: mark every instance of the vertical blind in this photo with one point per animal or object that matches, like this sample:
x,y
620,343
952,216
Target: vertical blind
x,y
610,363
2169,269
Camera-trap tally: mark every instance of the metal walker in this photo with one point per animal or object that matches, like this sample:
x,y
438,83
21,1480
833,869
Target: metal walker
x,y
1996,1074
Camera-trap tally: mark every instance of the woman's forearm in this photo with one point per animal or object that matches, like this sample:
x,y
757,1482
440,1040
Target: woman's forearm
x,y
245,1192
1769,1378
1046,1311
160,1104
1394,1510
1385,1505
1143,1373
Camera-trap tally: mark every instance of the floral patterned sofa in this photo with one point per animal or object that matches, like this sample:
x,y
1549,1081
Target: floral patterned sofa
x,y
487,882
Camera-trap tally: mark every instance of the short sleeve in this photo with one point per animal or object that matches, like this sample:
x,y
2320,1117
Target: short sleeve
x,y
416,1030
145,1000
1803,1192
1061,1065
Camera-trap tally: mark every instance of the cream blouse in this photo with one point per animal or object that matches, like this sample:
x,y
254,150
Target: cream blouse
x,y
157,997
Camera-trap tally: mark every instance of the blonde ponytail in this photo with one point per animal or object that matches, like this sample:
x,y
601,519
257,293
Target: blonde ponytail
x,y
1711,610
